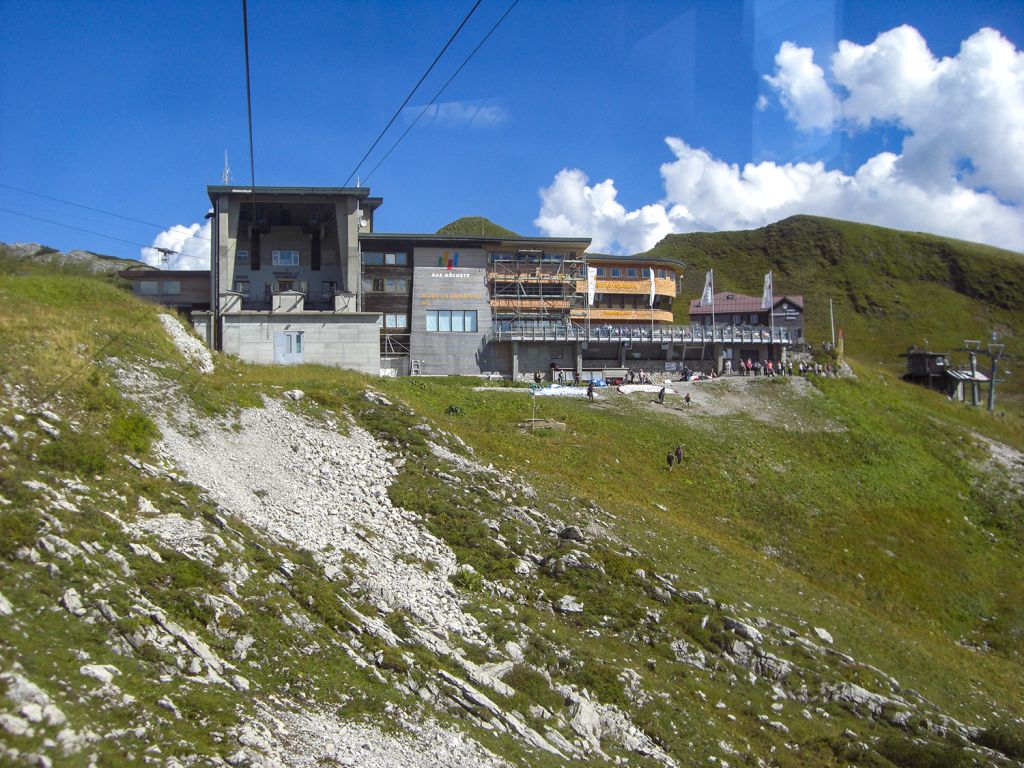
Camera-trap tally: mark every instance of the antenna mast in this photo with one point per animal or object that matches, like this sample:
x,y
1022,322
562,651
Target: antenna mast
x,y
226,175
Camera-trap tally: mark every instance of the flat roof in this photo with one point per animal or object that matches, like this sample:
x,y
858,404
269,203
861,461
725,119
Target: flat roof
x,y
363,193
482,239
638,258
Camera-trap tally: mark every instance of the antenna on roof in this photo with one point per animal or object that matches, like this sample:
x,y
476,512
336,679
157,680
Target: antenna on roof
x,y
226,175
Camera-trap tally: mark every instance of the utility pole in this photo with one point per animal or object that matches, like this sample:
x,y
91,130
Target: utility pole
x,y
995,351
832,321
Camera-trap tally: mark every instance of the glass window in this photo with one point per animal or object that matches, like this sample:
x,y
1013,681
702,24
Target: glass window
x,y
148,287
458,322
172,287
395,320
285,258
399,259
444,320
242,287
373,259
396,285
600,271
378,285
630,271
431,320
242,256
753,319
737,319
647,272
616,272
471,321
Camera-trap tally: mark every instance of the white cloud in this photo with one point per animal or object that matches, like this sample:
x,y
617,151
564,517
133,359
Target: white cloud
x,y
959,172
801,86
453,113
191,245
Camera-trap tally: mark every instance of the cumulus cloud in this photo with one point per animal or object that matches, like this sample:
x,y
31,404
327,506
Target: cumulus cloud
x,y
959,172
801,86
191,245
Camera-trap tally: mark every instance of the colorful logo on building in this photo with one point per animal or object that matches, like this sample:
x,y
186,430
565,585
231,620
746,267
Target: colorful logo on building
x,y
448,260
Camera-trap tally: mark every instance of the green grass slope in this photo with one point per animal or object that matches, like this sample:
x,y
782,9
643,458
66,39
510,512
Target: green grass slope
x,y
863,506
890,289
475,225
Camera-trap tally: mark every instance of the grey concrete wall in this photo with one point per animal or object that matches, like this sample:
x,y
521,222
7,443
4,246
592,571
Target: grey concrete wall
x,y
463,287
344,341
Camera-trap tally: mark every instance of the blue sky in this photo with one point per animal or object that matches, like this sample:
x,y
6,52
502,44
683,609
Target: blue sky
x,y
618,120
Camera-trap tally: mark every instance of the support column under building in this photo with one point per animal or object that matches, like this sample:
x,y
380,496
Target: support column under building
x,y
515,361
579,360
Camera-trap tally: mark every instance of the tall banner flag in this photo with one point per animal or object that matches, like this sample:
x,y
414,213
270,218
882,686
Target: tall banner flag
x,y
709,286
766,297
591,284
651,273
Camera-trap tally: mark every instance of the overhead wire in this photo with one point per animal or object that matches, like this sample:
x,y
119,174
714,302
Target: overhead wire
x,y
413,91
89,208
82,229
443,89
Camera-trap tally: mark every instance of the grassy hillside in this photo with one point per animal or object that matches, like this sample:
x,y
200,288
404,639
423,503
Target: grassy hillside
x,y
475,225
890,289
866,507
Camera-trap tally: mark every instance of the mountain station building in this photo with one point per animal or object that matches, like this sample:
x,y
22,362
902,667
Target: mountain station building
x,y
300,275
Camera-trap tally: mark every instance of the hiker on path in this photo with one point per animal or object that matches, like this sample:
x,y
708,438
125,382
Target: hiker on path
x,y
670,458
679,454
661,396
687,399
590,391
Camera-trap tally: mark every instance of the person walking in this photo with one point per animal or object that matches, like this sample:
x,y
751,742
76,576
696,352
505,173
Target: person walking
x,y
590,391
670,458
679,454
661,396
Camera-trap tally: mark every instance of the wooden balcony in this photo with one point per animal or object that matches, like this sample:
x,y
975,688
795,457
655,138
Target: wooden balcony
x,y
630,315
663,286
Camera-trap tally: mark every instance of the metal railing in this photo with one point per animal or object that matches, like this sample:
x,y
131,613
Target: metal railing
x,y
554,330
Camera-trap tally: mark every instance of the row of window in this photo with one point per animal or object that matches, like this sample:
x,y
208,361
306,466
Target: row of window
x,y
278,258
451,321
385,285
159,287
736,319
372,258
396,320
632,272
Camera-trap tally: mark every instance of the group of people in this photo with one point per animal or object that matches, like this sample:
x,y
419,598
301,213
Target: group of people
x,y
675,457
638,377
750,367
817,369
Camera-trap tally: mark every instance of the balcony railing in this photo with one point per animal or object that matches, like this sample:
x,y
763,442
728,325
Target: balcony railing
x,y
520,330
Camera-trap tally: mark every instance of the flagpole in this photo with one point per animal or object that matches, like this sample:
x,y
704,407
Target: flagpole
x,y
771,306
712,303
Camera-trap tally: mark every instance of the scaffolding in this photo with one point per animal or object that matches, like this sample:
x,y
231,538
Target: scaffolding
x,y
534,285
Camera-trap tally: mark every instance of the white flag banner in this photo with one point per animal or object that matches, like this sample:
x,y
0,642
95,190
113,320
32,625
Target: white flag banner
x,y
709,282
591,285
766,297
651,273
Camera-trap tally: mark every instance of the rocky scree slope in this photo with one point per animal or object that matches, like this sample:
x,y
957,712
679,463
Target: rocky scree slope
x,y
293,585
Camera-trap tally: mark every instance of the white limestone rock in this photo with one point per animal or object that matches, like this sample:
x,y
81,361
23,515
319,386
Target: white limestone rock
x,y
823,634
569,604
103,673
72,602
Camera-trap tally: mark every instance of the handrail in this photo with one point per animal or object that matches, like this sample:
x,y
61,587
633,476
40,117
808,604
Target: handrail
x,y
519,330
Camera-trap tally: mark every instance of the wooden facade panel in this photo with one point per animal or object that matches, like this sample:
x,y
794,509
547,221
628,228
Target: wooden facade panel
x,y
662,286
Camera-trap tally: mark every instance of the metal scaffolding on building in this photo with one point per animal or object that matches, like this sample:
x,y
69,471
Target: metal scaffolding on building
x,y
536,285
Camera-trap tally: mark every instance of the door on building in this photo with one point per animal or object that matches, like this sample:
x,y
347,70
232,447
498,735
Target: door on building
x,y
288,347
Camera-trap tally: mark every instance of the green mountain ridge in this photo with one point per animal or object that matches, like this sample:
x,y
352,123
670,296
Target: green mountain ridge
x,y
475,225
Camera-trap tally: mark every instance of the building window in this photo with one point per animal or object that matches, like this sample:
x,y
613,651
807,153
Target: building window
x,y
451,320
242,287
293,342
148,287
396,320
373,259
646,272
737,319
396,285
285,258
242,256
630,271
661,273
398,259
171,288
753,319
600,271
616,272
